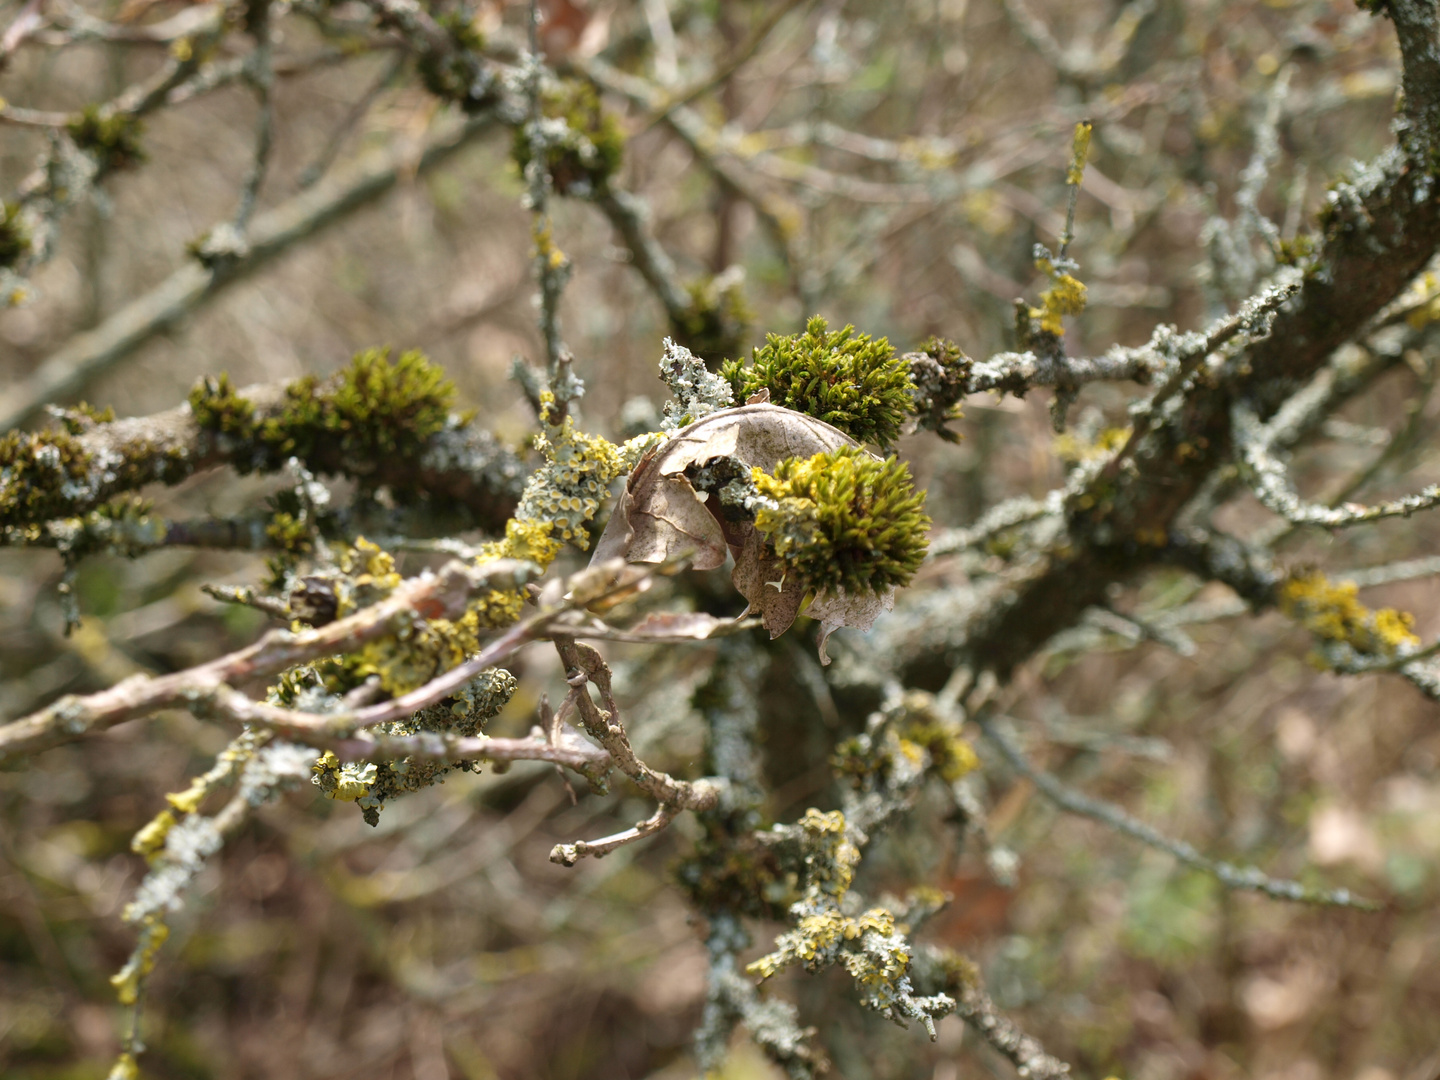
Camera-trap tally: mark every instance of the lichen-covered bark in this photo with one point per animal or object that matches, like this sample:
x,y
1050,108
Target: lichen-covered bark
x,y
1379,233
460,467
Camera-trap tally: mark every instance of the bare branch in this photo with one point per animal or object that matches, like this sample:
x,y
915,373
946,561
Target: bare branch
x,y
93,352
570,854
1228,874
1269,479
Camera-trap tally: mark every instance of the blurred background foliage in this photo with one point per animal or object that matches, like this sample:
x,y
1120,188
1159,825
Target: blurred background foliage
x,y
905,156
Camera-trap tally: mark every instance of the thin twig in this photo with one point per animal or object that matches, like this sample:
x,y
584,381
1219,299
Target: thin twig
x,y
1228,874
91,353
436,595
1270,482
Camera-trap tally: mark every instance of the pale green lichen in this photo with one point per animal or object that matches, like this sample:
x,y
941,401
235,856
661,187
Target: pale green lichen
x,y
697,391
371,784
868,946
566,492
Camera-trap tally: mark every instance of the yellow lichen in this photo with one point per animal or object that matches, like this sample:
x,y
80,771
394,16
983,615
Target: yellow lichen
x,y
1066,296
951,754
1332,610
150,840
1071,448
188,801
349,782
142,961
529,540
1079,153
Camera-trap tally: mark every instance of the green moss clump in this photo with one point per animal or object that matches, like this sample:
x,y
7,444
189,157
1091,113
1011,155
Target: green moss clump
x,y
111,138
80,418
459,73
289,528
850,381
38,473
845,520
717,321
217,406
381,408
1296,250
375,410
14,239
591,148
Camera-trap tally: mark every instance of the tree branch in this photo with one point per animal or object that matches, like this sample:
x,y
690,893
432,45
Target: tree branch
x,y
430,595
90,354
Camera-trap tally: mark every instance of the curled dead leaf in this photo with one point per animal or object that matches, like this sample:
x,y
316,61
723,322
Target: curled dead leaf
x,y
660,516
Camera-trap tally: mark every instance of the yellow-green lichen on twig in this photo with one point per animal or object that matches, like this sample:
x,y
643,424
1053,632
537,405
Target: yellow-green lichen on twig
x,y
1066,296
1333,612
566,492
912,738
560,499
869,946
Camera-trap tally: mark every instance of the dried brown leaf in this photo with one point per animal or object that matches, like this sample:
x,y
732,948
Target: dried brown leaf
x,y
660,517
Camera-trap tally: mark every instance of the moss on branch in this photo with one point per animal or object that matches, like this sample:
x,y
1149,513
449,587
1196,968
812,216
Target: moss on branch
x,y
458,72
851,381
845,521
385,424
111,138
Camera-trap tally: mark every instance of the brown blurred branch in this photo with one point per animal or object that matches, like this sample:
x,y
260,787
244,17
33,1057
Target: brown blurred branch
x,y
25,24
89,354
